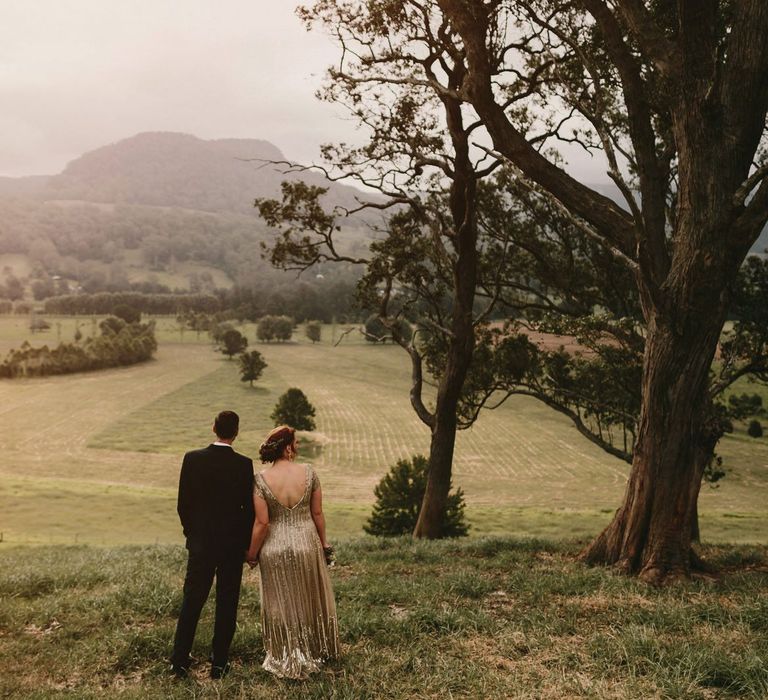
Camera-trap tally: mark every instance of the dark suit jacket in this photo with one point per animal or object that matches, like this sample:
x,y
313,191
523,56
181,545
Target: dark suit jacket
x,y
216,499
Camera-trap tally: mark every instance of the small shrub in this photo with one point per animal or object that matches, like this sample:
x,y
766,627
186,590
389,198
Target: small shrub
x,y
313,331
233,342
293,408
755,429
38,325
398,500
252,364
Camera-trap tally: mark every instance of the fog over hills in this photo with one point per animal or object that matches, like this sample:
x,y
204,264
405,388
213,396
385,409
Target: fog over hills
x,y
30,185
177,170
172,169
161,209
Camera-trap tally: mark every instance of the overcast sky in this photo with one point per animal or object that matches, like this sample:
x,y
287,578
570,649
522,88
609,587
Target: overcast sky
x,y
79,74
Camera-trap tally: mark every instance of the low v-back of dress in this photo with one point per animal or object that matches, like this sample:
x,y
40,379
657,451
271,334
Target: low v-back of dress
x,y
298,612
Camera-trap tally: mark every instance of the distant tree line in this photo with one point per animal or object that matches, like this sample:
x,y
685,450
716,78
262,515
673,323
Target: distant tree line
x,y
107,302
318,298
302,302
119,344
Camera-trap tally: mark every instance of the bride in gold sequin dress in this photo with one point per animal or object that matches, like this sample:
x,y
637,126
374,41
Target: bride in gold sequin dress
x,y
298,612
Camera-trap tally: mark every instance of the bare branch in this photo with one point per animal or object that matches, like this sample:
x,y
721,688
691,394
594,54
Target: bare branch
x,y
749,184
583,226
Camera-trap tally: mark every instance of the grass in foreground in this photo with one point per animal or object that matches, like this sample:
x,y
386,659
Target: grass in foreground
x,y
484,618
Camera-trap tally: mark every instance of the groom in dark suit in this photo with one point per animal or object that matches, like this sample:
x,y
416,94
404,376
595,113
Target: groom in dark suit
x,y
216,511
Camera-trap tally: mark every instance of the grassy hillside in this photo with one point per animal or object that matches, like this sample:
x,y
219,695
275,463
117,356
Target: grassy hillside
x,y
79,449
487,618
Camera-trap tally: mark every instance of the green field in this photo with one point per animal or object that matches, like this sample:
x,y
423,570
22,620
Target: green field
x,y
95,457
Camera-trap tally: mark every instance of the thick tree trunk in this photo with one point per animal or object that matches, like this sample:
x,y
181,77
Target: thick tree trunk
x,y
443,440
695,529
717,109
652,533
462,201
432,513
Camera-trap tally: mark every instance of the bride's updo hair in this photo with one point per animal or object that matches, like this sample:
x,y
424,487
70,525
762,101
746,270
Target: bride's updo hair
x,y
278,439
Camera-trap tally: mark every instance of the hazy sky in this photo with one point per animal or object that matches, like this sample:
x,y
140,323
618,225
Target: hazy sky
x,y
78,74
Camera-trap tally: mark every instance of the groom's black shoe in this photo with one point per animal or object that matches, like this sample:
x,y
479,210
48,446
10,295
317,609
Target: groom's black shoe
x,y
180,670
218,672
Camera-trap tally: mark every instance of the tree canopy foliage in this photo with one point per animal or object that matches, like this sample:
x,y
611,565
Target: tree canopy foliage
x,y
278,328
399,495
293,408
252,364
232,342
314,331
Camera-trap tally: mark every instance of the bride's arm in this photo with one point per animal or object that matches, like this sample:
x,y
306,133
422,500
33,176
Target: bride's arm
x,y
316,507
260,527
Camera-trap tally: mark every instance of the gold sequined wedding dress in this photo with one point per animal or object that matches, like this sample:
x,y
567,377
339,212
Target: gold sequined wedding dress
x,y
298,612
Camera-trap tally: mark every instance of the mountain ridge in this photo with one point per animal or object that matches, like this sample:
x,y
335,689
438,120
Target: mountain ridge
x,y
176,169
166,168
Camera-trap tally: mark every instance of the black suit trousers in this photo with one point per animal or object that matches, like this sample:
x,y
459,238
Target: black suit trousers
x,y
203,565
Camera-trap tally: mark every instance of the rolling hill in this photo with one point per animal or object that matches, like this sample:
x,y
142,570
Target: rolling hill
x,y
169,169
160,207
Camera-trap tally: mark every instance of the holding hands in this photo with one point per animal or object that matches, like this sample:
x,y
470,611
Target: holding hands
x,y
252,558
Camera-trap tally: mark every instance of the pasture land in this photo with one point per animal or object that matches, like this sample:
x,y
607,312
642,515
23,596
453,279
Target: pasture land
x,y
79,448
483,618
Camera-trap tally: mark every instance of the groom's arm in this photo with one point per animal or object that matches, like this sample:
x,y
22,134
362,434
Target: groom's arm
x,y
248,497
185,504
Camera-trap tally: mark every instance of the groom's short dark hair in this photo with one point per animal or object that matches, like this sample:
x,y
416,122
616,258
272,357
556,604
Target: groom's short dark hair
x,y
226,424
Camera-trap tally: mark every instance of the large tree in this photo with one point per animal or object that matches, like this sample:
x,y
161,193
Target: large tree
x,y
561,281
418,156
674,96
